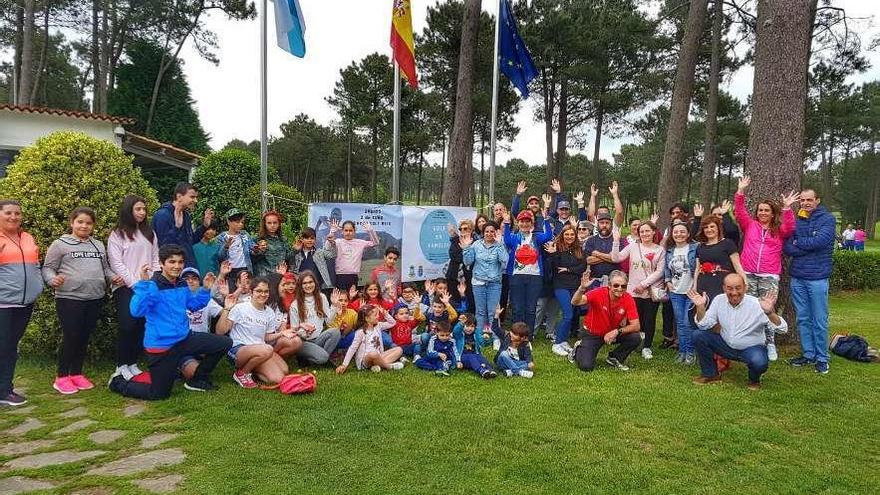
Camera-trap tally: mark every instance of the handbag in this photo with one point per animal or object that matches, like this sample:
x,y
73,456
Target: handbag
x,y
658,293
298,384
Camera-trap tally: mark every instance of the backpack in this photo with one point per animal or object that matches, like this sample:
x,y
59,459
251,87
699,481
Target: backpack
x,y
853,347
298,384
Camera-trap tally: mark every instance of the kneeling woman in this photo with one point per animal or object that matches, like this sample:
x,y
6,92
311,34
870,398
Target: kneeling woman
x,y
611,319
259,342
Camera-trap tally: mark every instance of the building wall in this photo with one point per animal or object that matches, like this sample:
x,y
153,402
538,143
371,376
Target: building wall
x,y
18,130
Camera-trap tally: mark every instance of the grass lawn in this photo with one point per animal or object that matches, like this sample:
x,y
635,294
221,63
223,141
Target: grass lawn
x,y
647,431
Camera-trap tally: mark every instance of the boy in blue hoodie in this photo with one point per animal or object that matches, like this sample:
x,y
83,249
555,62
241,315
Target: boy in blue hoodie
x,y
442,355
469,346
164,300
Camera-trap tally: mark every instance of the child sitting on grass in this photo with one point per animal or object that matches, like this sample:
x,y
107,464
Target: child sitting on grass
x,y
409,296
405,332
441,355
367,349
469,347
199,319
372,294
515,355
441,311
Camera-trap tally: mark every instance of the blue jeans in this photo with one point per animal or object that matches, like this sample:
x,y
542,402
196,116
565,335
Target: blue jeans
x,y
505,362
708,343
563,328
810,298
487,297
681,306
524,293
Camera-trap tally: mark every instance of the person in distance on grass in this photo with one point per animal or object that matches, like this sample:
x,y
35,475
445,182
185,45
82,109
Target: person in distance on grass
x,y
611,319
367,350
441,355
469,346
514,357
743,320
163,300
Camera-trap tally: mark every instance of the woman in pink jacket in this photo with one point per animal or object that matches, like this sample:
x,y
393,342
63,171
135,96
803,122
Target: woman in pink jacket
x,y
763,238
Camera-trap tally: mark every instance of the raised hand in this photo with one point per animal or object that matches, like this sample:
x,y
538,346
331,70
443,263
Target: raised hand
x,y
146,272
613,188
586,280
615,234
579,197
58,281
451,229
334,296
698,299
498,311
223,289
445,298
725,206
367,226
281,268
547,199
298,244
699,210
521,187
654,218
744,182
429,287
790,199
550,247
465,240
225,268
230,300
209,280
594,190
334,226
462,288
556,186
506,217
768,302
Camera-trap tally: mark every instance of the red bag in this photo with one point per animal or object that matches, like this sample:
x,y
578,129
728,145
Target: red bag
x,y
298,384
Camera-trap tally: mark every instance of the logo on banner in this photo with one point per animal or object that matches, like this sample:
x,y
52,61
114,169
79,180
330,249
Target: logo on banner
x,y
434,237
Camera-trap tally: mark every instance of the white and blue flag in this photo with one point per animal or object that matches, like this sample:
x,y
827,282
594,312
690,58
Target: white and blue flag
x,y
290,27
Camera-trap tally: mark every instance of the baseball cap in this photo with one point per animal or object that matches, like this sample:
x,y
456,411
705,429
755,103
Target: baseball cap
x,y
603,216
583,224
525,215
234,212
533,197
563,205
191,270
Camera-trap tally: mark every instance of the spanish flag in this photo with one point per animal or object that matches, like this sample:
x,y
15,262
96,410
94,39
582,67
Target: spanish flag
x,y
402,40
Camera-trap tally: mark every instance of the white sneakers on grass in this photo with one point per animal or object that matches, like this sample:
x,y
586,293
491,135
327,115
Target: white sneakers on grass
x,y
647,354
397,365
772,355
560,349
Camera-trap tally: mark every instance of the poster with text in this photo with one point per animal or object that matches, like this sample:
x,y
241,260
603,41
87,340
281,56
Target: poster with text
x,y
425,253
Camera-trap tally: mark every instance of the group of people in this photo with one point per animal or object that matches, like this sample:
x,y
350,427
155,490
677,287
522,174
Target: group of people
x,y
853,238
186,296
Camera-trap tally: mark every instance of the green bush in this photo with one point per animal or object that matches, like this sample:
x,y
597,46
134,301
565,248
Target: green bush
x,y
289,202
223,180
855,270
52,177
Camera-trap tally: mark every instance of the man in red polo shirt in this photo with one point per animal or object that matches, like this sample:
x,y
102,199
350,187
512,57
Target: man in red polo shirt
x,y
611,319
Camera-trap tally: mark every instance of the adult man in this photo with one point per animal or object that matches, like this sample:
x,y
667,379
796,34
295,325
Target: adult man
x,y
173,221
533,203
810,249
743,320
849,237
593,211
598,249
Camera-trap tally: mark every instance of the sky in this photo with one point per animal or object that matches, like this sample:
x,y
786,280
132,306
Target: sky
x,y
339,32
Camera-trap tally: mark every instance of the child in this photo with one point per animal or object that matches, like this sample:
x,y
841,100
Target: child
x,y
388,271
241,285
236,245
200,319
206,251
441,354
258,340
345,320
409,296
307,257
76,266
469,347
372,294
441,311
272,251
163,301
310,315
350,252
367,349
405,331
515,355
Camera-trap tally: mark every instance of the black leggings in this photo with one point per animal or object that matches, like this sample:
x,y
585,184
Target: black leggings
x,y
668,321
345,281
130,333
78,320
13,321
585,353
647,318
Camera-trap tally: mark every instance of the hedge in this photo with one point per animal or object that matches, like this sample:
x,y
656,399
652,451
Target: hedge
x,y
855,270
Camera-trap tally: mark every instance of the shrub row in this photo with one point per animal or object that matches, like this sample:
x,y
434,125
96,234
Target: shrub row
x,y
856,270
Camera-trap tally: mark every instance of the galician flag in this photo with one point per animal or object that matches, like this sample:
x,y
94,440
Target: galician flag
x,y
290,27
402,44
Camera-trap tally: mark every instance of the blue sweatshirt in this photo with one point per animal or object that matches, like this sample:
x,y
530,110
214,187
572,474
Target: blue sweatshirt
x,y
811,245
436,346
164,304
168,233
459,336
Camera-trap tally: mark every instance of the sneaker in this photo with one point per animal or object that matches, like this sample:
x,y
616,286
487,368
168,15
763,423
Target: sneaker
x,y
246,380
442,373
81,382
679,358
754,386
488,374
526,373
800,361
822,368
616,364
667,343
496,344
116,373
397,365
122,371
571,356
375,368
551,337
706,380
559,350
133,368
690,359
403,359
64,385
199,385
772,355
416,357
13,399
647,354
508,373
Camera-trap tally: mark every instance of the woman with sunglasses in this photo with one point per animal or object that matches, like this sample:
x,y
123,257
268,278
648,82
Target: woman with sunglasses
x,y
457,270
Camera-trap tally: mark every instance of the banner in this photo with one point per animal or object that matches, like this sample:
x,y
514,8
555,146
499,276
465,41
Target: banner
x,y
385,219
425,253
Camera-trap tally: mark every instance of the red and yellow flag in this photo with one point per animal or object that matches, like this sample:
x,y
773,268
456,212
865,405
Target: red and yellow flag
x,y
402,40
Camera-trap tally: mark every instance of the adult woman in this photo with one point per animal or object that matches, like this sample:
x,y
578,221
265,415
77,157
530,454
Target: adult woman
x,y
611,318
567,264
764,234
310,314
646,262
20,284
132,245
457,269
681,260
487,258
716,257
479,223
349,253
526,267
272,248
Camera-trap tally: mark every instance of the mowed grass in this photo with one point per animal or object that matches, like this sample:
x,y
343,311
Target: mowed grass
x,y
647,431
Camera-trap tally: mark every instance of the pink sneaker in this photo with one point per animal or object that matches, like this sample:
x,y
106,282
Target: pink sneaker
x,y
64,385
244,379
81,382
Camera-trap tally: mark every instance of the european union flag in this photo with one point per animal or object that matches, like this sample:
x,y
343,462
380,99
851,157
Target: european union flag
x,y
515,61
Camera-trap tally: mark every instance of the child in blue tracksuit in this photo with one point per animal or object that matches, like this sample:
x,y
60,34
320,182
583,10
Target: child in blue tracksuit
x,y
441,311
441,355
515,355
469,346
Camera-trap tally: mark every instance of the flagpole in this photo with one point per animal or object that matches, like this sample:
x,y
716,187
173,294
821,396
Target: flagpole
x,y
395,174
492,135
264,148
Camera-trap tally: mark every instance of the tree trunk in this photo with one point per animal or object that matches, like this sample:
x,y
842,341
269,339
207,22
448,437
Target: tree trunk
x,y
348,170
27,55
104,57
482,171
459,187
549,86
419,184
16,58
442,169
561,130
709,151
682,92
44,50
597,145
374,171
95,58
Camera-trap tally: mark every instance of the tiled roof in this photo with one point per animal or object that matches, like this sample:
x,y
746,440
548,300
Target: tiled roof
x,y
67,113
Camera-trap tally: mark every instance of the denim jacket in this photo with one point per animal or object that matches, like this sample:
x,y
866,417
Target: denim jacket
x,y
692,260
247,245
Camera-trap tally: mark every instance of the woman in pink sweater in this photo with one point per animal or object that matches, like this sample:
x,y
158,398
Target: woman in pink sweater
x,y
763,238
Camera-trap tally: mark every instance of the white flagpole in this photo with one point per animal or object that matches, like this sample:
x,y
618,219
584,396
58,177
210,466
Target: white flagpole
x,y
264,148
492,135
395,174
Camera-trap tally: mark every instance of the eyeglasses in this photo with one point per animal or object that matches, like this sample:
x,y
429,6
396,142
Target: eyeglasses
x,y
463,227
618,286
260,291
583,228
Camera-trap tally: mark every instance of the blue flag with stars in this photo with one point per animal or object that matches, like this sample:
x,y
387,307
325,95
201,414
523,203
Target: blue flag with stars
x,y
515,61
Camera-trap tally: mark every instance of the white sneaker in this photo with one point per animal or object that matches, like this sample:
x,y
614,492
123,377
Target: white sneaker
x,y
416,357
647,354
772,355
124,371
116,373
568,347
559,350
133,368
496,344
397,365
403,359
375,368
526,373
508,373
